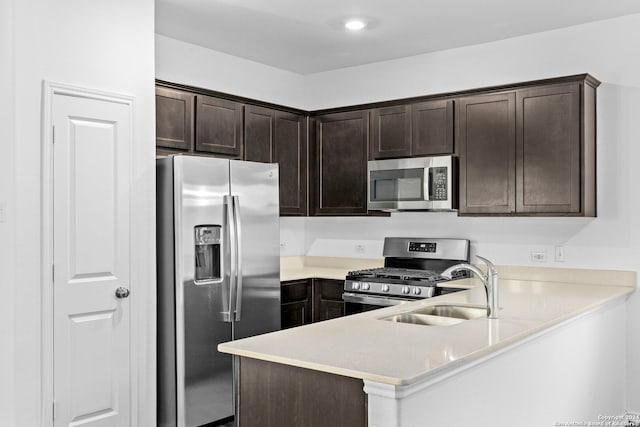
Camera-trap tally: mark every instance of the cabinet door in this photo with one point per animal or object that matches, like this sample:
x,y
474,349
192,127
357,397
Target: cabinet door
x,y
432,128
391,132
174,119
296,297
219,126
548,150
259,130
291,156
327,299
486,126
339,159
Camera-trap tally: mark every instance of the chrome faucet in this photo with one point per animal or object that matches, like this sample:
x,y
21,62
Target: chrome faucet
x,y
489,280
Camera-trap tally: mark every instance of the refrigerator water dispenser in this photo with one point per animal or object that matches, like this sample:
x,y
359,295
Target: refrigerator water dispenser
x,y
207,250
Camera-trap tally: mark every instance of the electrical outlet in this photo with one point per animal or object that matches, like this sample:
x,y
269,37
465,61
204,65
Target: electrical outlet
x,y
360,249
559,254
538,256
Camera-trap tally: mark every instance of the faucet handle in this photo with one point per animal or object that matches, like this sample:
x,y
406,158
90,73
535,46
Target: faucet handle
x,y
491,268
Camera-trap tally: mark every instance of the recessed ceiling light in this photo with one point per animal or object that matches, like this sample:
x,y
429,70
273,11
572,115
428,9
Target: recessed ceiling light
x,y
354,24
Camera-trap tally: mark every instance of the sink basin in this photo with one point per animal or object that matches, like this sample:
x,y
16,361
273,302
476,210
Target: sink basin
x,y
464,312
423,319
439,315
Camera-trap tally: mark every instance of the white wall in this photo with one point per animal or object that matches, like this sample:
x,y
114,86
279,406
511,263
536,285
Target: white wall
x,y
6,199
105,45
181,62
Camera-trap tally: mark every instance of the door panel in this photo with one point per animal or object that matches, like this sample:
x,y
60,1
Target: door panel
x,y
259,129
548,149
204,375
91,205
487,153
256,185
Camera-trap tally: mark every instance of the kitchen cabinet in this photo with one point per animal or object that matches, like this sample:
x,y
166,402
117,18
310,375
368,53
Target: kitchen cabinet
x,y
273,136
219,126
530,151
338,158
391,132
174,119
259,132
296,300
432,128
412,130
310,300
291,155
548,150
327,299
487,129
275,394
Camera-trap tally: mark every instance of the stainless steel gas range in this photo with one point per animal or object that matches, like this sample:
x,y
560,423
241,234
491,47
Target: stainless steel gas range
x,y
411,271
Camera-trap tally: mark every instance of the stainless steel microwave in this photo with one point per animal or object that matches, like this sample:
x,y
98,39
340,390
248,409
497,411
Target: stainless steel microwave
x,y
418,183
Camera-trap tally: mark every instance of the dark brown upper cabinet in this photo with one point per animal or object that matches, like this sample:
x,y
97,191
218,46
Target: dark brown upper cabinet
x,y
391,132
273,136
174,119
259,132
487,130
338,159
291,156
530,151
548,150
219,126
412,130
432,128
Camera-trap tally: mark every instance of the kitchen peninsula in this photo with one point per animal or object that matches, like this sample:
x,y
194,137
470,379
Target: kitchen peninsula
x,y
520,369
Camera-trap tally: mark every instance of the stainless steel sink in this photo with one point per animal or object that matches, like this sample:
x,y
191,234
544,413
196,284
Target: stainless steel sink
x,y
464,312
439,315
423,319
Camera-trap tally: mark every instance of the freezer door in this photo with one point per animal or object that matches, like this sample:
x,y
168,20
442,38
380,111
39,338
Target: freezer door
x,y
254,187
203,318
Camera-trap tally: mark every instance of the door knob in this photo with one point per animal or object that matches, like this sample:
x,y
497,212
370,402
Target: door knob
x,y
122,292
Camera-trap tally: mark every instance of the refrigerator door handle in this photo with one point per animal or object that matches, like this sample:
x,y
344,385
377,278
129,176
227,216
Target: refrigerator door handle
x,y
230,225
238,269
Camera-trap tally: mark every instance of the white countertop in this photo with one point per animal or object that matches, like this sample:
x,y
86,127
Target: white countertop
x,y
363,346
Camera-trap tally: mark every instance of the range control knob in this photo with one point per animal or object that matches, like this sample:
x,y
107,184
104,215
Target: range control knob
x,y
366,286
406,290
355,285
417,291
385,288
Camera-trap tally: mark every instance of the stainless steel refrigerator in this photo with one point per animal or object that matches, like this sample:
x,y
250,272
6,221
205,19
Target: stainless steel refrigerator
x,y
218,278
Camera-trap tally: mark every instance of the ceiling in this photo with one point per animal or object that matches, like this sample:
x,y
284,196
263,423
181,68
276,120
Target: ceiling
x,y
307,36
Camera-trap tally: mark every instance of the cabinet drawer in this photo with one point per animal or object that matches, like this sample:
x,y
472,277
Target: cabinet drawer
x,y
295,290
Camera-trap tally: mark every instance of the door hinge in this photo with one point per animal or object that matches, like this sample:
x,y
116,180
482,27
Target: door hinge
x,y
53,409
53,134
53,272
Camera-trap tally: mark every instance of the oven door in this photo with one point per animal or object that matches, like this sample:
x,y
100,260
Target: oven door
x,y
358,303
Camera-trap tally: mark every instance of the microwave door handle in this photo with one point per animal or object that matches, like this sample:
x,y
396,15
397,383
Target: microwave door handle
x,y
428,177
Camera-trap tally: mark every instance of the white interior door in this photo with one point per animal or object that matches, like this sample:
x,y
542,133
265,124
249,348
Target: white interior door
x,y
91,256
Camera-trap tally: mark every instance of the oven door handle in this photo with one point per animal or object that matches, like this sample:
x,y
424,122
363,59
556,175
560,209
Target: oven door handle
x,y
372,300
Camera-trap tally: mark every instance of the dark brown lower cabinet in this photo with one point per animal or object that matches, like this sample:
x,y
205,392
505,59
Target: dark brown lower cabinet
x,y
276,395
310,300
327,299
296,307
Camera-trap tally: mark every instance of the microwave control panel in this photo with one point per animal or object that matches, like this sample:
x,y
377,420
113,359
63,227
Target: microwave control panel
x,y
439,183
